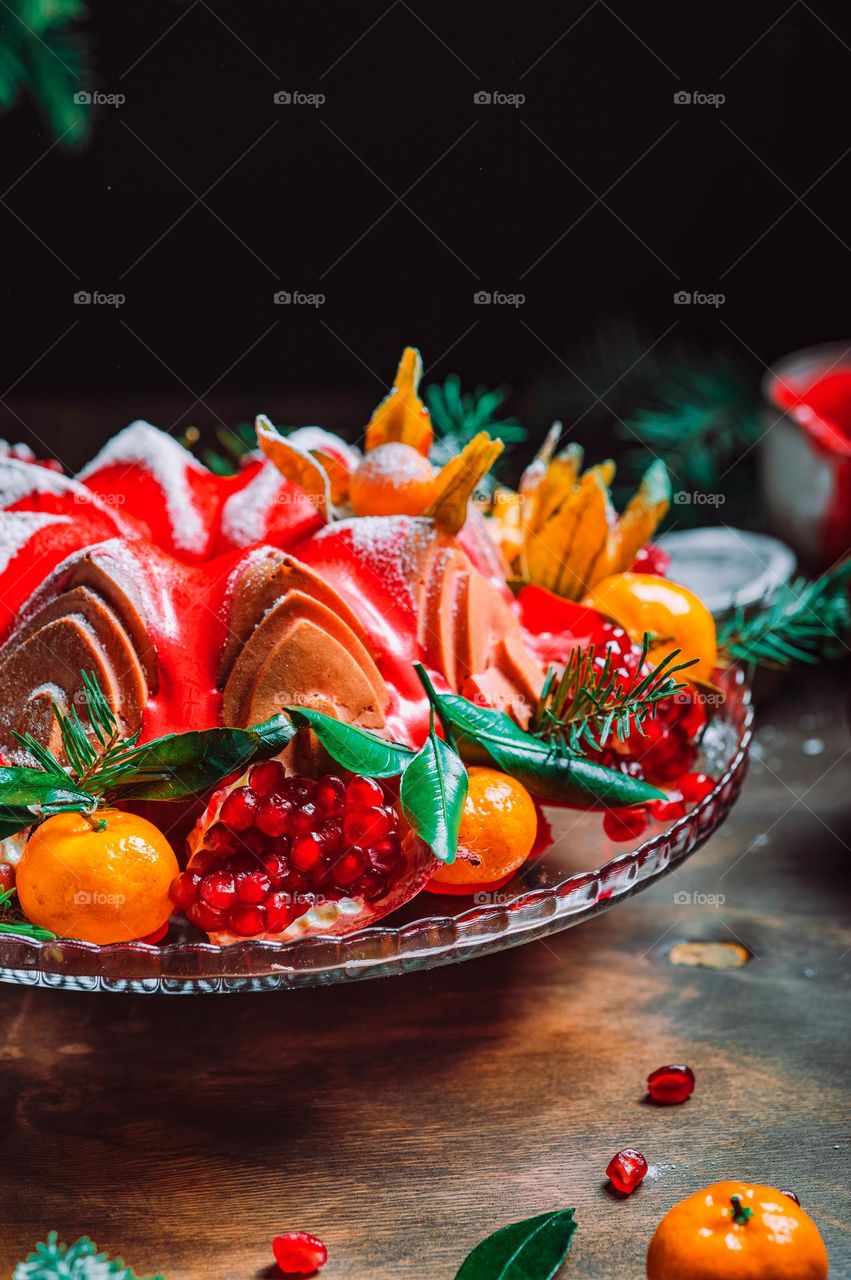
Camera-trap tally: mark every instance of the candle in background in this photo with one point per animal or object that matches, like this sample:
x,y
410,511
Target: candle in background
x,y
805,453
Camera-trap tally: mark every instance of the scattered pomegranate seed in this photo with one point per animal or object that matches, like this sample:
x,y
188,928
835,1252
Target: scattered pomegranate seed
x,y
184,889
239,809
218,889
625,824
7,877
695,786
671,1085
667,810
299,1254
365,792
626,1170
791,1195
267,778
330,794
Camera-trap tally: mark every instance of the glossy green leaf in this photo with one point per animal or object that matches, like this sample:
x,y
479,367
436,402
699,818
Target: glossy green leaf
x,y
355,749
533,1249
188,764
486,736
433,791
21,786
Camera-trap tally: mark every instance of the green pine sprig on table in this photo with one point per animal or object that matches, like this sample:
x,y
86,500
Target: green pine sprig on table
x,y
587,703
803,622
41,54
51,1260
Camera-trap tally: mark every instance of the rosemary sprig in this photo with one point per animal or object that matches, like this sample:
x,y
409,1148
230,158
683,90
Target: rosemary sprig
x,y
803,622
587,702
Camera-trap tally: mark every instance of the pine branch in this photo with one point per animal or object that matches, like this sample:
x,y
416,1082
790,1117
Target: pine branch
x,y
458,417
588,702
78,1261
41,53
803,622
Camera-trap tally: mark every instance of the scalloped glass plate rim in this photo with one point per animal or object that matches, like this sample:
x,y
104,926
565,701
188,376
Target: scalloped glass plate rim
x,y
380,950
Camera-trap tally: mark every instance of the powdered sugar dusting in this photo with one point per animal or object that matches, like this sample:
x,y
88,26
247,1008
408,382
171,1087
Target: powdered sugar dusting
x,y
394,547
168,462
20,479
317,439
16,529
245,515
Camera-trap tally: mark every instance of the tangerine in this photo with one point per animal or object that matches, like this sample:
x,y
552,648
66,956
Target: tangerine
x,y
497,833
734,1231
107,885
393,480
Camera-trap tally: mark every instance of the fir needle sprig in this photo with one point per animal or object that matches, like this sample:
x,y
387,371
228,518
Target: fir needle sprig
x,y
52,1260
588,701
803,622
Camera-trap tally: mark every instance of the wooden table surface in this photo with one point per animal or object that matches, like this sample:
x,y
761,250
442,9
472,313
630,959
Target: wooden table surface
x,y
404,1119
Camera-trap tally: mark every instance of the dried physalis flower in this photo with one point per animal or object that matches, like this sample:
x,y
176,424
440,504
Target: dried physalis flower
x,y
457,481
402,418
295,463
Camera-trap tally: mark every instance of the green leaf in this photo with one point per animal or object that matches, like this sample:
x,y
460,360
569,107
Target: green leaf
x,y
487,736
355,749
187,764
533,1249
20,787
78,1261
433,791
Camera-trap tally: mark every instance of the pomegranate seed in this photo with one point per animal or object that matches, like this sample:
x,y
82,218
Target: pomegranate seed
x,y
205,917
365,826
276,867
239,809
385,854
349,867
247,920
267,778
625,824
626,1170
279,912
299,1254
300,790
371,886
364,792
670,1085
241,864
295,882
221,839
218,889
306,851
254,887
791,1195
205,860
304,819
695,786
273,815
331,835
183,889
330,794
667,810
256,842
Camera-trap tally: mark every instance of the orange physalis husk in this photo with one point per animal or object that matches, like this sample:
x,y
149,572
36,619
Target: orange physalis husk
x,y
457,480
558,483
644,512
402,418
296,464
562,555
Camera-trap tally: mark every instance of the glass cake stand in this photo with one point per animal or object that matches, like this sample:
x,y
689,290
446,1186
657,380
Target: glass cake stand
x,y
581,874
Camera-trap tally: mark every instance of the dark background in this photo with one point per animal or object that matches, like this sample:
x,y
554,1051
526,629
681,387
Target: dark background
x,y
749,199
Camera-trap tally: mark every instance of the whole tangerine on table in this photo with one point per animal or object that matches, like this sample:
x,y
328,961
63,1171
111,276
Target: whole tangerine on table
x,y
496,836
737,1231
100,878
